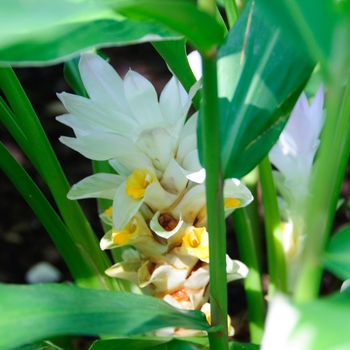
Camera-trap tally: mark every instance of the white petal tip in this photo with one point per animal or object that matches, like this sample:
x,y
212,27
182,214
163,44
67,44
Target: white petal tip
x,y
198,177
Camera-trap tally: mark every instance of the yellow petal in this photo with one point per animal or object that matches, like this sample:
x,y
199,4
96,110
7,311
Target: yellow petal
x,y
138,181
196,242
231,203
127,233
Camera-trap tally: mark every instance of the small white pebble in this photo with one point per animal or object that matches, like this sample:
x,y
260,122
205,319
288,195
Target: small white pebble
x,y
42,272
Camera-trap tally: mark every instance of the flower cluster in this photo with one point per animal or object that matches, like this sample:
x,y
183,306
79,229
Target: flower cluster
x,y
293,156
159,205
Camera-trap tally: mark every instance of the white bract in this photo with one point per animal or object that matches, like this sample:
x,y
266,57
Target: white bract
x,y
293,156
158,191
294,153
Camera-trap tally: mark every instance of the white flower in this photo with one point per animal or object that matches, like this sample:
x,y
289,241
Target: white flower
x,y
294,153
123,120
158,193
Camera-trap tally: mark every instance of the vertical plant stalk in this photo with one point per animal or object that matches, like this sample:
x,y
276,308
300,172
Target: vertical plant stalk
x,y
275,252
209,114
253,282
251,180
49,167
231,11
329,172
215,208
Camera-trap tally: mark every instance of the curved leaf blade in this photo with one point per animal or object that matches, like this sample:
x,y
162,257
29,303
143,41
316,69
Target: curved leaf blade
x,y
336,258
154,343
42,311
182,16
42,32
256,89
266,91
321,28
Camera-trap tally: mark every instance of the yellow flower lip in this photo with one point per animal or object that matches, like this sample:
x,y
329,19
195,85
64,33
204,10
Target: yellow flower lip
x,y
231,203
127,233
138,181
195,242
109,211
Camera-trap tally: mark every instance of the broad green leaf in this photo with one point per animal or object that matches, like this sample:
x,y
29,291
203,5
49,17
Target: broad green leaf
x,y
260,77
176,345
62,343
321,27
40,31
321,324
336,258
242,346
154,343
42,311
182,16
38,346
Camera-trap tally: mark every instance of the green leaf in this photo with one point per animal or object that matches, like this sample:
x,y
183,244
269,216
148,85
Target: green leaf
x,y
242,346
182,16
154,343
40,31
42,311
322,324
37,346
336,258
64,344
260,78
320,27
49,32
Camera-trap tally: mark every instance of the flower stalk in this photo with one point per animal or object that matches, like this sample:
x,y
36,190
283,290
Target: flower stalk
x,y
214,194
276,262
253,282
231,11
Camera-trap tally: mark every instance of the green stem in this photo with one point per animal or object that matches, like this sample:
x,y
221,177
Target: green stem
x,y
275,252
215,209
251,180
231,11
253,282
329,172
48,166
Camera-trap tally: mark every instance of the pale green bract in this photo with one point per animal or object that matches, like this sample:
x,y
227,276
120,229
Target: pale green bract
x,y
158,193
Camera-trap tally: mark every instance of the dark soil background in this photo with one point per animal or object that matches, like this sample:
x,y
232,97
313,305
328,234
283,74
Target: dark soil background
x,y
23,241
